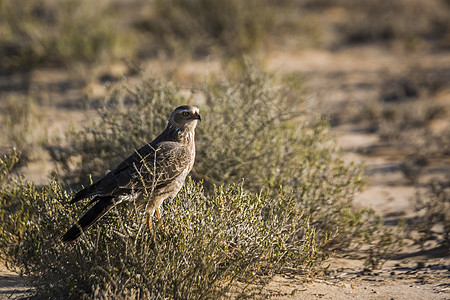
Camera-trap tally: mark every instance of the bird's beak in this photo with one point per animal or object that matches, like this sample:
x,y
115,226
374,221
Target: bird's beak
x,y
198,117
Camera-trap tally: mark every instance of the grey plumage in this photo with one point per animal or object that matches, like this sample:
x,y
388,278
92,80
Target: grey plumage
x,y
153,173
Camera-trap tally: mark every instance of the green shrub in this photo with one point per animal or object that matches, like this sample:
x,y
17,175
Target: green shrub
x,y
14,212
7,164
11,211
58,32
206,244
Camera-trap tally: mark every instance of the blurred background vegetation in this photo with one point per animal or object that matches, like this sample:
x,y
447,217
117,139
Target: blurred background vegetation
x,y
270,190
50,32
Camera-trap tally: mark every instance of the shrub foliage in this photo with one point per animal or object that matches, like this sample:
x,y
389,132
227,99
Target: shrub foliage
x,y
205,244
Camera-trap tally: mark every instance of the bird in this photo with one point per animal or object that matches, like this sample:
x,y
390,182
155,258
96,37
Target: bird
x,y
150,175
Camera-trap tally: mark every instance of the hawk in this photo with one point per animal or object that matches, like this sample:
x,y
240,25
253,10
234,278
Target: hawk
x,y
152,174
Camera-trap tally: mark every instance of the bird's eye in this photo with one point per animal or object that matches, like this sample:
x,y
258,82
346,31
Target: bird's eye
x,y
185,113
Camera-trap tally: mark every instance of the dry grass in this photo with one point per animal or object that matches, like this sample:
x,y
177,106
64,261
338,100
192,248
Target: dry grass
x,y
434,221
61,33
198,27
407,20
49,32
23,127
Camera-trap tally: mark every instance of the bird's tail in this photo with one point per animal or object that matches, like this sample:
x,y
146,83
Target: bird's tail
x,y
103,205
86,192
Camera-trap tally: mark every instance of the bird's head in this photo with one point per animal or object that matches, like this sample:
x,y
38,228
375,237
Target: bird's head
x,y
185,117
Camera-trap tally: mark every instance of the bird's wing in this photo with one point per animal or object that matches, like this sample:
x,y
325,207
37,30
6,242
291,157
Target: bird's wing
x,y
147,168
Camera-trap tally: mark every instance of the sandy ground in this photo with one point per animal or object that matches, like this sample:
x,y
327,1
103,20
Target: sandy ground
x,y
12,285
355,75
352,74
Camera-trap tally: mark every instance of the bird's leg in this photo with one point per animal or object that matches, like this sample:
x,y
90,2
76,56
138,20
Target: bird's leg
x,y
149,222
158,215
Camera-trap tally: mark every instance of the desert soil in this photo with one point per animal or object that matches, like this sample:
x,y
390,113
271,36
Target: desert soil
x,y
332,77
